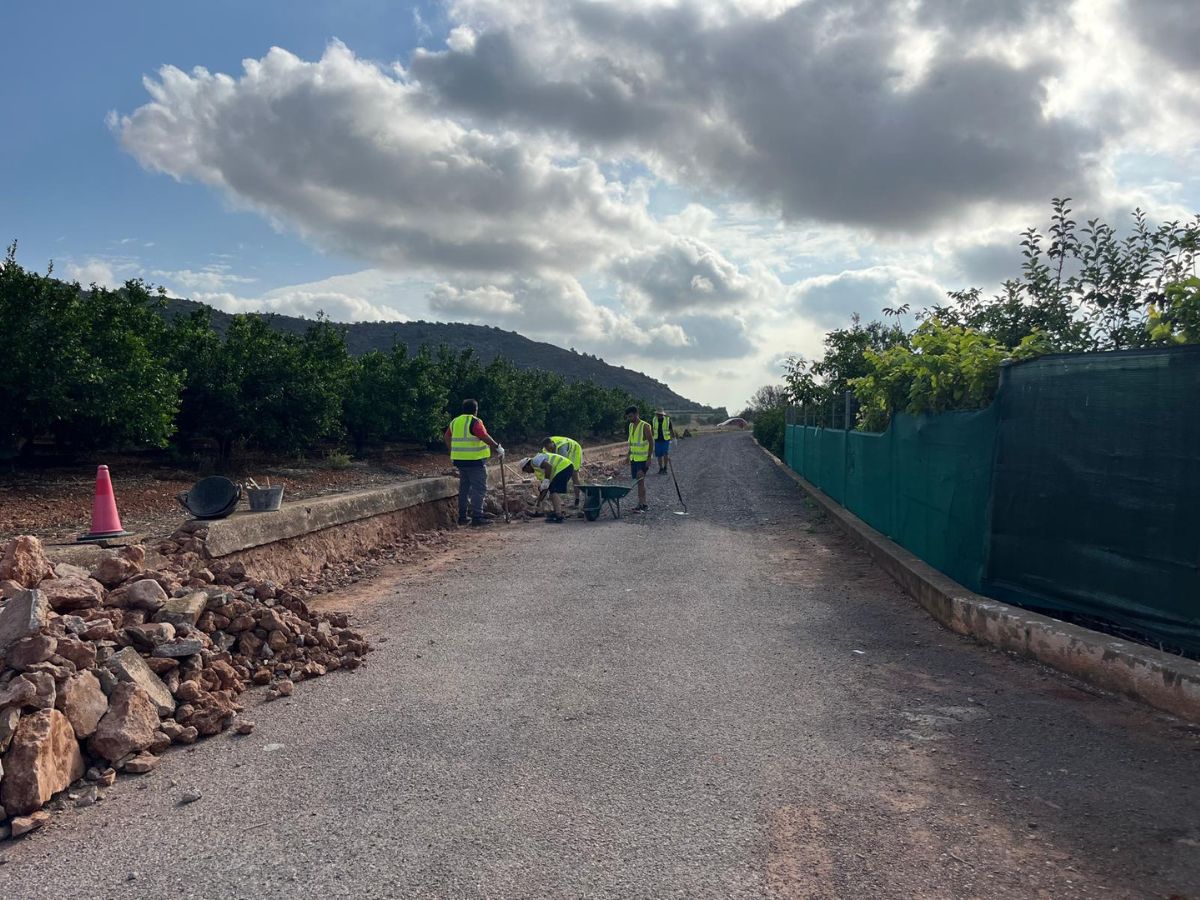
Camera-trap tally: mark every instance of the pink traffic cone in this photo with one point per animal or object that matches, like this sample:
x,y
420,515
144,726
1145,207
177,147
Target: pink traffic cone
x,y
106,523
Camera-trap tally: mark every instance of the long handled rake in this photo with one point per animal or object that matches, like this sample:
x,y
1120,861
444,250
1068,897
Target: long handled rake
x,y
671,466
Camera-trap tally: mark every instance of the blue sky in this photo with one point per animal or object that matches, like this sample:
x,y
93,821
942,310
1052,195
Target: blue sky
x,y
694,188
72,193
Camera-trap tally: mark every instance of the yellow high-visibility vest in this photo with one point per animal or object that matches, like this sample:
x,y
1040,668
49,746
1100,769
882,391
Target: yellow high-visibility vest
x,y
639,448
666,428
557,464
569,448
463,444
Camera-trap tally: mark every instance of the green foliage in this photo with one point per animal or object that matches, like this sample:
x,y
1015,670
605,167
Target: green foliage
x,y
770,427
1175,314
767,411
81,366
945,367
822,384
1082,288
336,459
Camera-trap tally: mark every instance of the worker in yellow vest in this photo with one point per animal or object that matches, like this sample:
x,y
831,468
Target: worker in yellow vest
x,y
552,471
470,445
572,450
661,426
639,453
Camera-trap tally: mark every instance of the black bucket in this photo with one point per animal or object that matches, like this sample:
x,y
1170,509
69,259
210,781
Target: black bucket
x,y
214,497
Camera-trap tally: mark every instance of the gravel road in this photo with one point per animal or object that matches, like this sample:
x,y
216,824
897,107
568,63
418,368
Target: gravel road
x,y
735,703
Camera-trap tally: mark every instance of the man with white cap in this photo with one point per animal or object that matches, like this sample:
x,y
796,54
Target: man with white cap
x,y
553,473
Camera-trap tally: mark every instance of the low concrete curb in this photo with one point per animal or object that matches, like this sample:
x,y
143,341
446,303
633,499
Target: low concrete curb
x,y
1162,680
244,530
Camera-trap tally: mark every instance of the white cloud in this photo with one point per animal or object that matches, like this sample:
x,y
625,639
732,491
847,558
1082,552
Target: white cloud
x,y
103,271
207,279
830,300
675,182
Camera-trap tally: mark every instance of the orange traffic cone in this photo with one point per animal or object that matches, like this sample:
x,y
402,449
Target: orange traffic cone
x,y
105,521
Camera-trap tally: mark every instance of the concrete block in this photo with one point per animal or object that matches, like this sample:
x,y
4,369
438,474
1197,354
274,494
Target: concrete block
x,y
129,666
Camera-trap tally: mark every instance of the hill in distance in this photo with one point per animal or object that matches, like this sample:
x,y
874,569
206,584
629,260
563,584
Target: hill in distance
x,y
488,343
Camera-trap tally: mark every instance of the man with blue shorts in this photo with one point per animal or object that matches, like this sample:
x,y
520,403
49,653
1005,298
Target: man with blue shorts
x,y
661,425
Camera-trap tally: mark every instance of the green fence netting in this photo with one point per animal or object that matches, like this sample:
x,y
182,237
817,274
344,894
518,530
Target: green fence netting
x,y
1097,491
924,482
1076,493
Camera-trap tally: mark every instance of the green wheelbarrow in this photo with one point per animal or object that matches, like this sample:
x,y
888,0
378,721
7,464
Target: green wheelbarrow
x,y
596,495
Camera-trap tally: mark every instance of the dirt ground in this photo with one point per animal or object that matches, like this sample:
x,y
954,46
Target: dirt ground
x,y
56,503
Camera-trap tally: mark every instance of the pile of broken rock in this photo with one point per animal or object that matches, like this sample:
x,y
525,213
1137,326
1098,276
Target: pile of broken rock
x,y
101,671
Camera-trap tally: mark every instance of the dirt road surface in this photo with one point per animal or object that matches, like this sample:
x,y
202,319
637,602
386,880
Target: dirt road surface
x,y
730,704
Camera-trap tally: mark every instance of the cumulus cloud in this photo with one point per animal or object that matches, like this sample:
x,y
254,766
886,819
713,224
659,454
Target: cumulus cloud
x,y
684,273
103,271
208,278
1169,28
343,153
306,304
830,300
804,108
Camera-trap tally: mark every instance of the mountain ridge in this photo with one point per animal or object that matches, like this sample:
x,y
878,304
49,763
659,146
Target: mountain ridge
x,y
487,341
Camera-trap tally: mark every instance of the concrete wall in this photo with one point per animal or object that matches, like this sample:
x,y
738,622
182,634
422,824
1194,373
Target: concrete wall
x,y
299,539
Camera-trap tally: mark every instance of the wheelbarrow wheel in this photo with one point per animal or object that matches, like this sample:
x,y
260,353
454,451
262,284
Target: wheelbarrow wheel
x,y
591,514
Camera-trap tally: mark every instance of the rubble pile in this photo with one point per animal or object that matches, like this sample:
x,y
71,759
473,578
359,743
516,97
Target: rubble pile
x,y
186,548
103,670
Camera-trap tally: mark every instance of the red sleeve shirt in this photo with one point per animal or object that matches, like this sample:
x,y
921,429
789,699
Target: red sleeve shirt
x,y
477,429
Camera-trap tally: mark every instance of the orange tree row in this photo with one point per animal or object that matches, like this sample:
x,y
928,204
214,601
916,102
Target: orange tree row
x,y
103,368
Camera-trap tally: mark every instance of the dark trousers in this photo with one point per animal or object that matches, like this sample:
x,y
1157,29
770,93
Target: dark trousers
x,y
472,486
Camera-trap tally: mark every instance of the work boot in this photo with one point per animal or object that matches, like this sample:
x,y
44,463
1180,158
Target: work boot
x,y
463,520
480,523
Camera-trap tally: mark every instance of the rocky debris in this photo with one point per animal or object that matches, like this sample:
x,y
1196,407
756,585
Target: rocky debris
x,y
129,725
66,570
141,764
185,610
145,594
24,562
36,689
129,667
189,797
24,615
83,702
151,635
118,568
79,653
86,795
30,651
119,662
25,824
101,777
8,726
71,594
42,760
